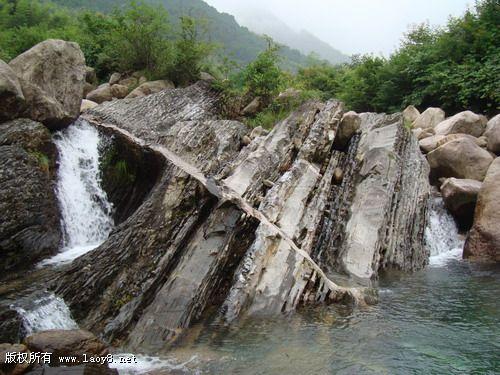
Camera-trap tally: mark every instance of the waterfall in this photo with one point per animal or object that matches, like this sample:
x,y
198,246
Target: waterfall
x,y
45,313
441,235
85,209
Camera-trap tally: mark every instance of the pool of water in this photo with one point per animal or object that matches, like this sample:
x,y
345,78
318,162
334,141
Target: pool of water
x,y
443,320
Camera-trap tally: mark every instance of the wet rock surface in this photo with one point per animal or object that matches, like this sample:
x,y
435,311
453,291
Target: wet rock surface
x,y
460,197
29,229
235,228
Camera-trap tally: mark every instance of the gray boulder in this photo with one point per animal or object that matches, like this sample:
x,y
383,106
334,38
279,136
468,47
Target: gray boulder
x,y
348,127
29,229
11,94
461,158
492,135
410,114
463,123
429,118
483,242
460,198
149,88
54,69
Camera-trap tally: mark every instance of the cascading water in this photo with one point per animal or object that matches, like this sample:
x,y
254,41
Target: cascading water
x,y
85,209
441,235
86,220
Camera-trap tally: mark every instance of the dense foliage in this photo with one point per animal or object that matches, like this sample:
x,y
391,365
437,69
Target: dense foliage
x,y
138,37
456,68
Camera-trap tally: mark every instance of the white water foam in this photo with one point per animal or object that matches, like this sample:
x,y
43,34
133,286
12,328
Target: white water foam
x,y
147,364
442,236
49,312
85,209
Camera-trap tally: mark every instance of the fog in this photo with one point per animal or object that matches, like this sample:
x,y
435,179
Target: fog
x,y
353,26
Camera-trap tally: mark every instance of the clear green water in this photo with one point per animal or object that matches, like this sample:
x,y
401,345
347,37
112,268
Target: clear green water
x,y
443,320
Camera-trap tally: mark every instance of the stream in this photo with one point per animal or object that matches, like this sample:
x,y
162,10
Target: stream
x,y
444,319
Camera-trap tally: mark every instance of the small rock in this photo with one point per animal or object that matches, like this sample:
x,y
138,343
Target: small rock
x,y
102,94
268,183
119,91
149,88
204,76
347,128
257,132
87,104
90,75
130,82
338,176
253,107
429,118
463,123
289,95
410,114
246,140
115,78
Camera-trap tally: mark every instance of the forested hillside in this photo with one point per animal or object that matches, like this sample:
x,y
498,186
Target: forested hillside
x,y
238,43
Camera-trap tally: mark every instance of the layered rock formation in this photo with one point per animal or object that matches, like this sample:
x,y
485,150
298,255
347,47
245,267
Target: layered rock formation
x,y
238,228
29,229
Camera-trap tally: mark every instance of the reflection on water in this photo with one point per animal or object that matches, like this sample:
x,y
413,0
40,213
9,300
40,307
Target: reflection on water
x,y
441,320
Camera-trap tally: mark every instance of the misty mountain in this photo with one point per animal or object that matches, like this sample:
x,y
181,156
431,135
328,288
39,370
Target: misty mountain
x,y
263,22
237,42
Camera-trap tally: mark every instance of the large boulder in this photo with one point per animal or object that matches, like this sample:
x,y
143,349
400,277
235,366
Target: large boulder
x,y
460,198
460,158
483,242
149,88
410,114
11,94
101,94
348,127
54,69
66,343
429,118
430,143
30,225
463,123
492,134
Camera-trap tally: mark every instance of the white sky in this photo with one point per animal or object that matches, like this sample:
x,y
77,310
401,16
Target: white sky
x,y
354,26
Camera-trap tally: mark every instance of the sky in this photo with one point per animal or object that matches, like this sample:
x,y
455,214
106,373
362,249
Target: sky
x,y
354,26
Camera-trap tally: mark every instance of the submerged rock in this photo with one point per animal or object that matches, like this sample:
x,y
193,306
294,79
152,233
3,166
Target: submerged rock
x,y
29,229
483,241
